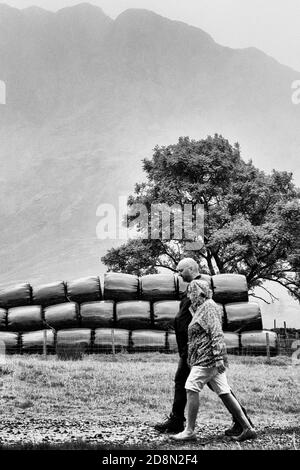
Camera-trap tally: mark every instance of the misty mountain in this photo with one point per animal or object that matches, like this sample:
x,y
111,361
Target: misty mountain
x,y
89,97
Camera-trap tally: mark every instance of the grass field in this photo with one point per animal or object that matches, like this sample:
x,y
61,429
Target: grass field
x,y
106,403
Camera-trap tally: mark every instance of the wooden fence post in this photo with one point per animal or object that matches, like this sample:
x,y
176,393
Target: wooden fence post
x,y
113,343
285,338
45,344
268,348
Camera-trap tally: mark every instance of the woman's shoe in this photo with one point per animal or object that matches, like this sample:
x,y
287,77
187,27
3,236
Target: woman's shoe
x,y
184,436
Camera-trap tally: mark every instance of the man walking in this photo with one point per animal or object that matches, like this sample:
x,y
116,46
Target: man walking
x,y
188,269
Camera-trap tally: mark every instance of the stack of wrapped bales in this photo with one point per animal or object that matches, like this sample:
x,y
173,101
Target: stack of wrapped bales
x,y
126,312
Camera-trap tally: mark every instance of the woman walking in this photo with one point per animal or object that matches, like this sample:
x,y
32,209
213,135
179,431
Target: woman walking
x,y
207,359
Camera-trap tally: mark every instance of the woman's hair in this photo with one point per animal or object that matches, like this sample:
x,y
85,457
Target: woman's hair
x,y
205,288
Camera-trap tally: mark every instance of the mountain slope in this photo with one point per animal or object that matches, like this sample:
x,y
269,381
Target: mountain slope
x,y
89,97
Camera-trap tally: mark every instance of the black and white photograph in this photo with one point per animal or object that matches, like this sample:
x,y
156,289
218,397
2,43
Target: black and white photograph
x,y
150,228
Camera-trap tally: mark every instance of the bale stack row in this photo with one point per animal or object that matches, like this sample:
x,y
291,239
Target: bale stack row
x,y
140,310
119,339
89,340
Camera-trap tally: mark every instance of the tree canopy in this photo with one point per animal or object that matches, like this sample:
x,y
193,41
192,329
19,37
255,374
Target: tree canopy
x,y
251,219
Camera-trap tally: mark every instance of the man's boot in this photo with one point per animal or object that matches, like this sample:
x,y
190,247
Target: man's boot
x,y
172,424
235,430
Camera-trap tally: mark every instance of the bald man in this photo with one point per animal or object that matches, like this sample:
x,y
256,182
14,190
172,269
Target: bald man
x,y
188,270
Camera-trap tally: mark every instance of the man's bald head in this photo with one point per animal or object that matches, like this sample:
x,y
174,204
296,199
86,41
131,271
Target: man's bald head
x,y
188,269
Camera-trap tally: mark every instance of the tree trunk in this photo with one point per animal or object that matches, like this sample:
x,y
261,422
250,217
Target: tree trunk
x,y
218,263
209,262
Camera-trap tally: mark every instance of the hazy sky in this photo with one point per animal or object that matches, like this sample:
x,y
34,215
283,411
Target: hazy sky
x,y
271,25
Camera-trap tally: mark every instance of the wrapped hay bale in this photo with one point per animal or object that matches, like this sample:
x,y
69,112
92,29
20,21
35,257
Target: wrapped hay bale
x,y
255,342
156,287
62,316
164,314
120,287
86,289
15,296
74,336
97,314
73,343
148,340
9,342
228,288
232,342
33,342
49,294
27,318
3,318
172,343
243,316
105,337
133,315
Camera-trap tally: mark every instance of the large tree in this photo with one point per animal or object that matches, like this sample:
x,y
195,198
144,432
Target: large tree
x,y
252,219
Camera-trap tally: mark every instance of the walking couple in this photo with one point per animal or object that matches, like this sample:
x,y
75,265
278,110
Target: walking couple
x,y
203,361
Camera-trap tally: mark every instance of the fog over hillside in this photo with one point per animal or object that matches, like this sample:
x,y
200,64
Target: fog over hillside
x,y
88,97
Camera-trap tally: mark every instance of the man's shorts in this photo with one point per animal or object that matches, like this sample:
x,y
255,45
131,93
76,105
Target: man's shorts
x,y
200,376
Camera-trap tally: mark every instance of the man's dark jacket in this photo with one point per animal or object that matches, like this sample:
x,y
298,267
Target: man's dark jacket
x,y
182,321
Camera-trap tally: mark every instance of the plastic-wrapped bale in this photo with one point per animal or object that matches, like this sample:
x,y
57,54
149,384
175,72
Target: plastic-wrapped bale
x,y
120,287
105,337
9,342
255,342
243,316
49,294
164,314
33,342
62,316
74,336
232,342
158,287
97,314
133,315
148,341
171,342
3,317
15,296
86,289
27,318
228,288
182,286
73,343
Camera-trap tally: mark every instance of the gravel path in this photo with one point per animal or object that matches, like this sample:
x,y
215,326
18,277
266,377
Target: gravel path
x,y
25,431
